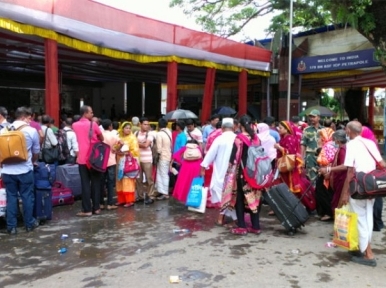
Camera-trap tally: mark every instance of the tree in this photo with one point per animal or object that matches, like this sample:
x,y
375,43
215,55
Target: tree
x,y
229,17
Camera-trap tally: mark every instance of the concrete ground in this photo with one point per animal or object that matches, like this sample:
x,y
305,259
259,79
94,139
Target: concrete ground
x,y
136,247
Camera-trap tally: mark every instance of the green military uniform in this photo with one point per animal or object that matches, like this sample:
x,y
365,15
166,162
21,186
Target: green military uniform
x,y
310,141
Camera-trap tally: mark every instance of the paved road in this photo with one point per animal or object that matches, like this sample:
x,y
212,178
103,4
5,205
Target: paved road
x,y
136,247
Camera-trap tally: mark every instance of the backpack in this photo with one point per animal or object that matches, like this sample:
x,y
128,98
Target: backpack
x,y
13,145
98,154
258,170
64,150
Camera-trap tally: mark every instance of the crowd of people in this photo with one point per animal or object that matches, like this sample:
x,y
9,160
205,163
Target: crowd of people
x,y
325,159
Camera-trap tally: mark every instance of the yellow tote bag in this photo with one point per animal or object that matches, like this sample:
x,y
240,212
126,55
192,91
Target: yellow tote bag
x,y
346,229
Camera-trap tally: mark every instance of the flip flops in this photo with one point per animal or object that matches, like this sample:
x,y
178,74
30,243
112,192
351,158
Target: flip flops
x,y
84,214
364,261
239,231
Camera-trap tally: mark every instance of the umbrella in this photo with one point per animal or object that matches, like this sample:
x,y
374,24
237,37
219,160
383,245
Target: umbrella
x,y
224,110
180,114
324,111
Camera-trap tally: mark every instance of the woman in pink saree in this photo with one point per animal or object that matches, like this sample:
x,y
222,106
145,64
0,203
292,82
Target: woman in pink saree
x,y
188,171
295,180
337,172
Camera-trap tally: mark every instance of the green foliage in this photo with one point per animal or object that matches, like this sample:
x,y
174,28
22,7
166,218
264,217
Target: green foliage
x,y
330,102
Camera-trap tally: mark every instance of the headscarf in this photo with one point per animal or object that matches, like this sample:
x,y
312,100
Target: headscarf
x,y
326,135
263,131
288,126
368,134
120,130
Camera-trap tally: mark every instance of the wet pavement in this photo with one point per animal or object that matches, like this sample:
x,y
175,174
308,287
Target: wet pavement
x,y
136,247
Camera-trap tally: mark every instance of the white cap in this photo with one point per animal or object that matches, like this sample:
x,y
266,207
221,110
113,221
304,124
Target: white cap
x,y
125,148
227,122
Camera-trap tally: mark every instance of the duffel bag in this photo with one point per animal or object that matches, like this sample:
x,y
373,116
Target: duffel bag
x,y
61,195
368,185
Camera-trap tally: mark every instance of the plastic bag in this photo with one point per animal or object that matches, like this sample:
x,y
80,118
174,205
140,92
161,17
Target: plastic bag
x,y
121,168
346,229
195,193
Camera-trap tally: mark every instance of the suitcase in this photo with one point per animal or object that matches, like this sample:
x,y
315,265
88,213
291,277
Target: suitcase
x,y
68,175
43,205
44,175
61,195
287,207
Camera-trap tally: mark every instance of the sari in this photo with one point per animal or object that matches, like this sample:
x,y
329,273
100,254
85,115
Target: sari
x,y
234,179
337,178
126,186
291,144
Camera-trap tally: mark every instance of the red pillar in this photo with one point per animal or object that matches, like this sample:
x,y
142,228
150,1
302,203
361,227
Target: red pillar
x,y
243,87
52,101
171,100
208,94
371,106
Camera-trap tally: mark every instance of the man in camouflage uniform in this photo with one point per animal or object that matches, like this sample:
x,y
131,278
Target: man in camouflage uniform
x,y
309,144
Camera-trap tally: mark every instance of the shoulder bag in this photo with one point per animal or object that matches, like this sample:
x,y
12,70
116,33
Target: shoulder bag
x,y
49,155
368,185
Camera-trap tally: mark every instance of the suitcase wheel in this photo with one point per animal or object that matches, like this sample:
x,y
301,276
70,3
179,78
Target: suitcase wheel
x,y
292,232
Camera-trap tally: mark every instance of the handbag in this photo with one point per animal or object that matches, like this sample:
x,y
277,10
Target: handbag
x,y
368,185
192,152
286,163
195,193
346,229
49,155
131,167
61,195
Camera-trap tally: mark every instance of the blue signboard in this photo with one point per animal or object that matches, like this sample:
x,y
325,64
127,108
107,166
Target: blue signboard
x,y
334,62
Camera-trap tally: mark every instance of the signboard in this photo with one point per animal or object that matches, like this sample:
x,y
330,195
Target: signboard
x,y
335,62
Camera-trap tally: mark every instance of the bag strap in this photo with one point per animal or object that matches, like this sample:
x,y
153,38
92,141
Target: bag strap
x,y
171,142
44,139
368,150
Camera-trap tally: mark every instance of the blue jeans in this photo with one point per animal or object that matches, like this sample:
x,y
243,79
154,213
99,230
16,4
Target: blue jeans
x,y
24,185
109,179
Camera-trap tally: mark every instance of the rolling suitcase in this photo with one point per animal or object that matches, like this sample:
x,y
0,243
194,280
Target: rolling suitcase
x,y
287,207
44,175
43,205
68,175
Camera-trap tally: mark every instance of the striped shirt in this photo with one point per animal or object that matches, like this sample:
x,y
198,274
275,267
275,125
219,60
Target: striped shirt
x,y
145,154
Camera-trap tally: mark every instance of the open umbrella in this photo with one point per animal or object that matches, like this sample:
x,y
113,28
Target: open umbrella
x,y
224,110
180,114
324,111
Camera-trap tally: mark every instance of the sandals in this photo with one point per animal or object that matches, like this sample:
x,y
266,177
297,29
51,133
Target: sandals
x,y
239,231
84,214
97,212
127,205
254,231
271,213
326,218
364,261
162,197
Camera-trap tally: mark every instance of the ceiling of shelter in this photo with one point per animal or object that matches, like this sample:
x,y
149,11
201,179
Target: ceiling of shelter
x,y
22,65
22,59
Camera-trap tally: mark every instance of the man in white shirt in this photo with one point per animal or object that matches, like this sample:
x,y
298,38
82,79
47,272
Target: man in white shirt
x,y
364,161
72,142
49,136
